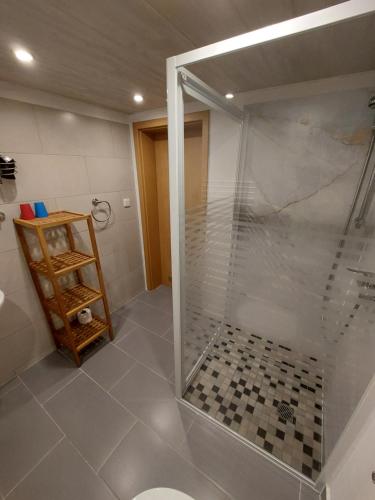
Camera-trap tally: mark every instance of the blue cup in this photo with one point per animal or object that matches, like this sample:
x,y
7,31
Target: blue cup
x,y
40,209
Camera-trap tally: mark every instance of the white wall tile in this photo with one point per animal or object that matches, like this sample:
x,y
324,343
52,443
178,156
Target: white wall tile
x,y
82,241
121,140
8,238
25,347
129,213
80,203
119,212
96,138
60,158
107,239
109,266
20,308
129,243
17,128
13,271
71,176
109,174
13,354
35,178
46,176
59,131
65,133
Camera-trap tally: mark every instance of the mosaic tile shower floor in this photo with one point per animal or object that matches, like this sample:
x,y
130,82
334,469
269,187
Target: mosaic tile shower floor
x,y
243,381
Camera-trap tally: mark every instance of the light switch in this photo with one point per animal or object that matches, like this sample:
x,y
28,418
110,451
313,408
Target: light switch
x,y
126,202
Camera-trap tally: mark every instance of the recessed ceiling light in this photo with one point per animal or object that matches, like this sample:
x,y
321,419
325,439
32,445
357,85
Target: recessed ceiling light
x,y
229,95
23,55
138,98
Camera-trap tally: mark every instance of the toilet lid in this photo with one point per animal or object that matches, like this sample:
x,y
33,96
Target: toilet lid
x,y
162,494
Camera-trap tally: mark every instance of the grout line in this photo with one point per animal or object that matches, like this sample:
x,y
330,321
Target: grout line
x,y
64,435
38,131
132,328
62,388
137,420
179,453
142,364
160,309
43,408
12,389
122,376
112,397
116,446
126,434
89,465
36,465
159,335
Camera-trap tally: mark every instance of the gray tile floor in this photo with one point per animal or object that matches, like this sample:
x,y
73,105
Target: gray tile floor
x,y
113,428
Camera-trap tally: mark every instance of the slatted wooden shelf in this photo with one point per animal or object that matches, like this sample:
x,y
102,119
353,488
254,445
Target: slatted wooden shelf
x,y
82,335
74,299
64,263
54,219
67,302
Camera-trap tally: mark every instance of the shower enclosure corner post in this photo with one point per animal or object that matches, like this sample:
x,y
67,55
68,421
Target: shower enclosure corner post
x,y
177,212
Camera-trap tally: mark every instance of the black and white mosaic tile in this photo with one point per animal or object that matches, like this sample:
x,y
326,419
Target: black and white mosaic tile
x,y
265,392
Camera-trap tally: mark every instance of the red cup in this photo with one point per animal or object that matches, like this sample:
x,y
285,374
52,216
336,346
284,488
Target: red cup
x,y
26,211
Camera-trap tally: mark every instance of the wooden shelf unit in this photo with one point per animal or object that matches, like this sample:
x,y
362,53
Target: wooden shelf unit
x,y
66,302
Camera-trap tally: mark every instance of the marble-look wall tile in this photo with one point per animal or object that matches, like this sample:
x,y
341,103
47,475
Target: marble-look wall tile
x,y
303,161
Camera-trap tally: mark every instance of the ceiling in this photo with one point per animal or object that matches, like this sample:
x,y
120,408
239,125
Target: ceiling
x,y
103,51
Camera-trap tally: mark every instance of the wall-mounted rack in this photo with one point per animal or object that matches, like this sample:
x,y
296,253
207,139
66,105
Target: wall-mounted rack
x,y
7,168
66,302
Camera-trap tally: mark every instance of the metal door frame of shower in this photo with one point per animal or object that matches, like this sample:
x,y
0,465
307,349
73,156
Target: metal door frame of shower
x,y
177,77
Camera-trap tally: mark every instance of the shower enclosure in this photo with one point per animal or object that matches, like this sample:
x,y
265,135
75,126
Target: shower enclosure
x,y
274,275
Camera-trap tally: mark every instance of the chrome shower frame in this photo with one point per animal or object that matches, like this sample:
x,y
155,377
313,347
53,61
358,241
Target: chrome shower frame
x,y
178,79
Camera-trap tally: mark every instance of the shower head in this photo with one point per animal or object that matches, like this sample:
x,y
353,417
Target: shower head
x,y
371,103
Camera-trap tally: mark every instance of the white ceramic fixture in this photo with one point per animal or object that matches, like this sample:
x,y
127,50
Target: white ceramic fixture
x,y
162,494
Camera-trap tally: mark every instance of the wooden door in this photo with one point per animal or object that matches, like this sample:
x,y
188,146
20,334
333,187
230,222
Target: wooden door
x,y
153,177
162,179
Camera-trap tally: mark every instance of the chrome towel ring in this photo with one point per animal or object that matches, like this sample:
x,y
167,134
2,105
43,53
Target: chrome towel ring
x,y
96,203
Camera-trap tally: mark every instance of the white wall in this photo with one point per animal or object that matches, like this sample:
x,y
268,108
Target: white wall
x,y
354,480
65,159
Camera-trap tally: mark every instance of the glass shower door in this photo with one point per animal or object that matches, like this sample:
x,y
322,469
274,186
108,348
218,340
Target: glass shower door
x,y
276,295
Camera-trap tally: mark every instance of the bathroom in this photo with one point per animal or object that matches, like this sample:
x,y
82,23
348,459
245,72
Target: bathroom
x,y
186,289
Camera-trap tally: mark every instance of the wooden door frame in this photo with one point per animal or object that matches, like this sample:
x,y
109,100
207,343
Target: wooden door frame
x,y
154,126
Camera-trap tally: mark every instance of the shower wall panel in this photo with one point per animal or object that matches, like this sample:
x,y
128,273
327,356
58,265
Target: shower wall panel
x,y
291,282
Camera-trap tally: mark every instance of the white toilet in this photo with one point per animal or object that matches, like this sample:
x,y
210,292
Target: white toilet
x,y
162,494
